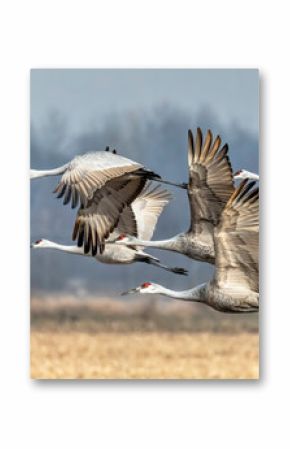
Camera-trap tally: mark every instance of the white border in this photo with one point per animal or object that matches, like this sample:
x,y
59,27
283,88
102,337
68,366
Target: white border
x,y
143,34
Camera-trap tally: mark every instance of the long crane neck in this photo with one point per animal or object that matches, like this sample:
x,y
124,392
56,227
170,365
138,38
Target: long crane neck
x,y
196,294
253,176
71,249
170,244
53,172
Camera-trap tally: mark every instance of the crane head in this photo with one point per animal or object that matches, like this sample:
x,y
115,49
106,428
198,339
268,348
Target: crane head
x,y
41,243
146,287
241,174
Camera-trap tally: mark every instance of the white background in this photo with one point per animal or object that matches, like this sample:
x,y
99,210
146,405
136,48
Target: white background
x,y
144,34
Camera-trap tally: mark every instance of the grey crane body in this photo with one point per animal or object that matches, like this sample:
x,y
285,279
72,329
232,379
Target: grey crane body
x,y
235,284
112,255
140,217
209,188
197,247
218,297
230,300
201,247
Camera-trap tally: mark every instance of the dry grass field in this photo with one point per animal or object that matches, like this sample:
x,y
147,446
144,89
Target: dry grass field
x,y
109,339
153,355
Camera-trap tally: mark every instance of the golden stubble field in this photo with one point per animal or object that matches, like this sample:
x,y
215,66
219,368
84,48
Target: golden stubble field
x,y
154,355
112,340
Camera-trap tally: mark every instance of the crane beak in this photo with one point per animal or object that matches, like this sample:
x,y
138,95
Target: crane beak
x,y
130,292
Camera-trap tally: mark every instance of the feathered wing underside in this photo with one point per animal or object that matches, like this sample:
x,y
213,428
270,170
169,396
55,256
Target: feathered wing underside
x,y
237,240
89,173
95,222
127,223
147,208
210,181
140,217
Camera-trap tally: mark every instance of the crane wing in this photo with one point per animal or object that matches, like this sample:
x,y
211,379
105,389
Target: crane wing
x,y
95,222
210,181
147,208
127,223
140,217
236,240
90,172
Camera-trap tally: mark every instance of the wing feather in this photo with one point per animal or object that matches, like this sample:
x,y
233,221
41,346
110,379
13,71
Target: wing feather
x,y
140,217
127,223
207,144
210,181
147,208
90,172
237,240
95,222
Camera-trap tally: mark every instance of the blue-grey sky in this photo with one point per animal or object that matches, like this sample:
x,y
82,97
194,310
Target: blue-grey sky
x,y
90,95
145,115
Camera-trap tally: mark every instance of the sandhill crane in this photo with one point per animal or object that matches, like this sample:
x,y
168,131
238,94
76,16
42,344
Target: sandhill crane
x,y
244,174
104,183
209,188
235,285
140,218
